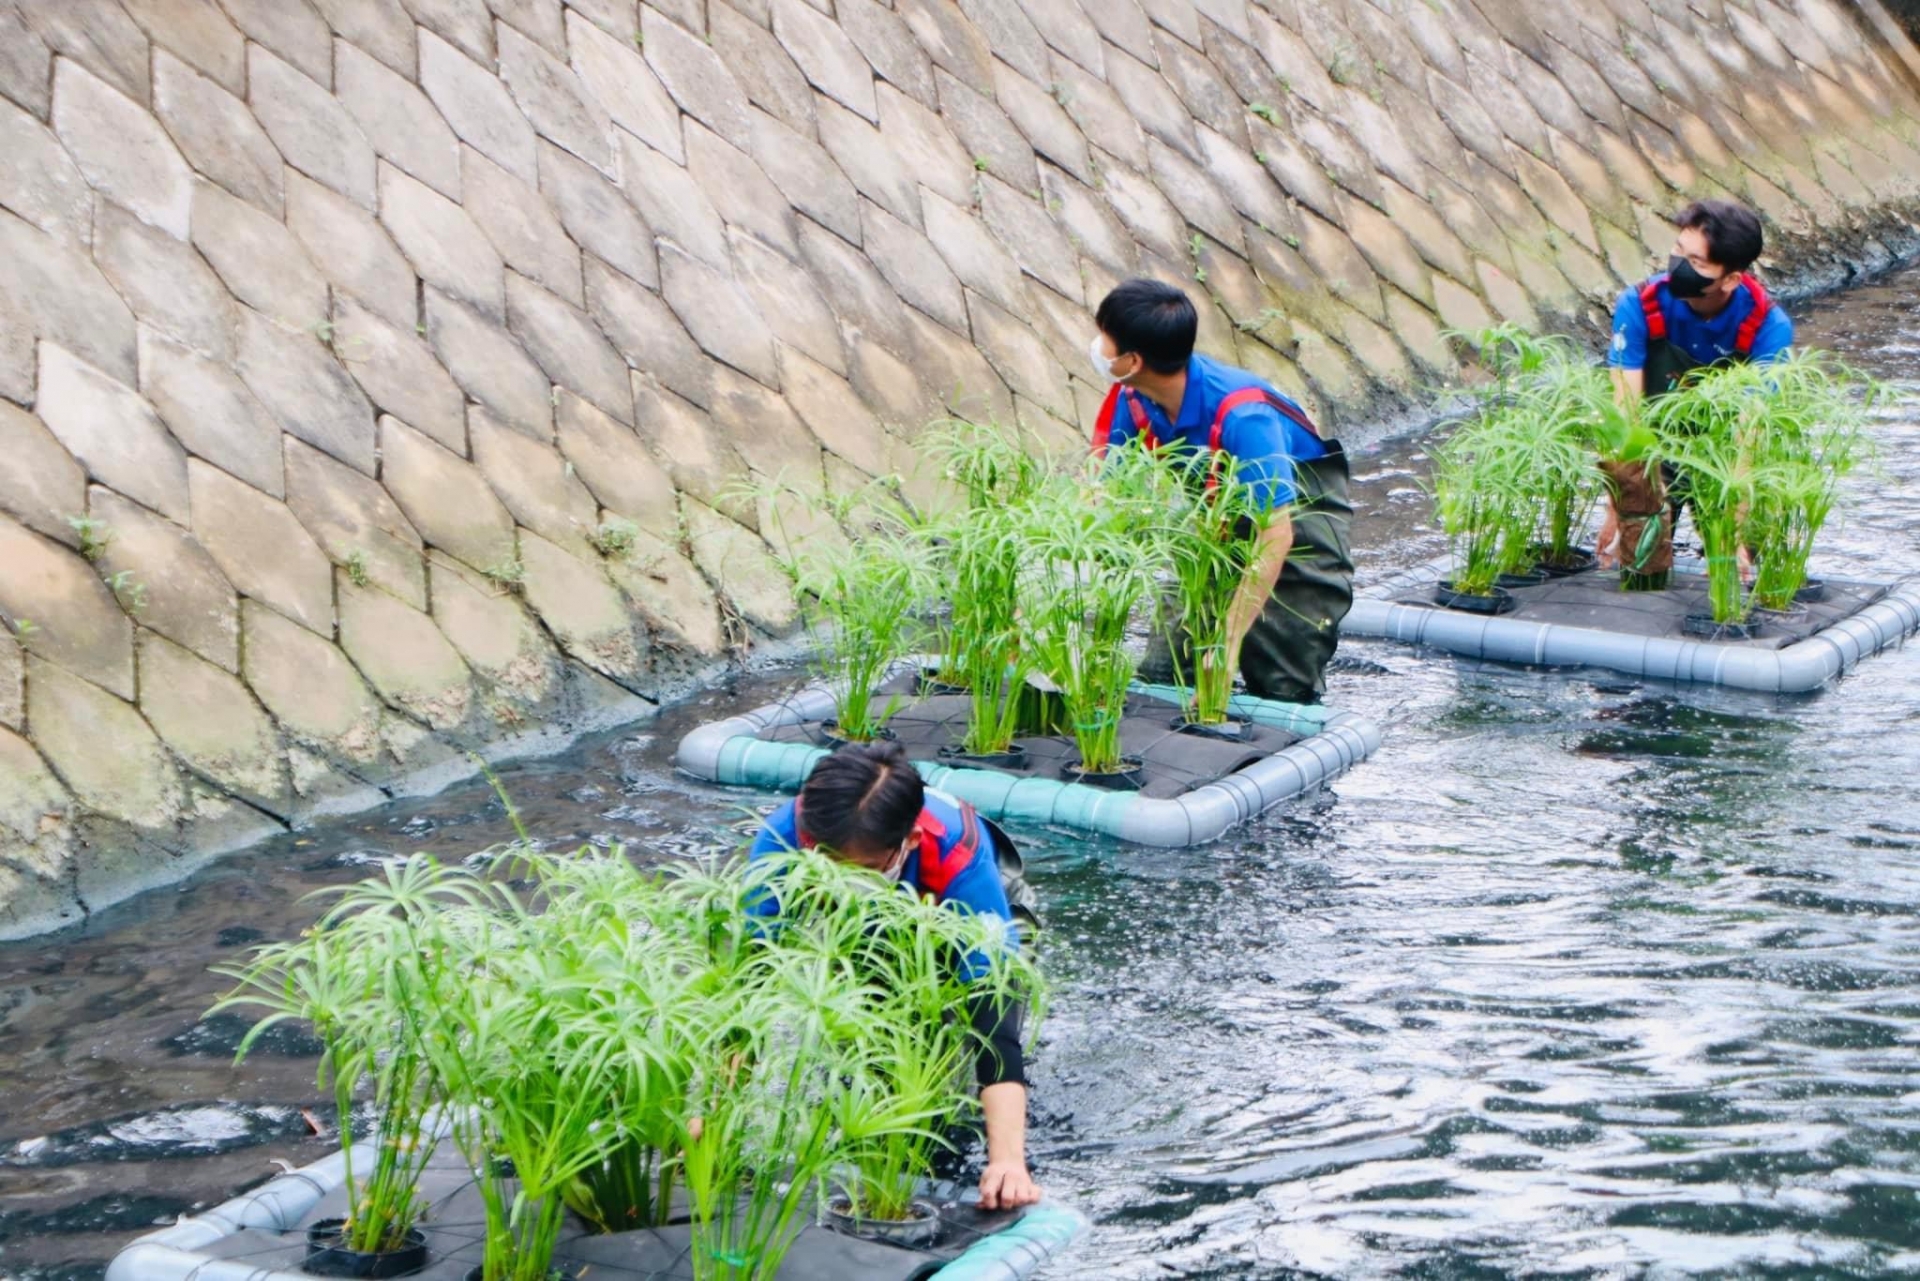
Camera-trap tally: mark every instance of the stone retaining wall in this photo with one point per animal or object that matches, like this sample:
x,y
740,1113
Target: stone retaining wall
x,y
378,378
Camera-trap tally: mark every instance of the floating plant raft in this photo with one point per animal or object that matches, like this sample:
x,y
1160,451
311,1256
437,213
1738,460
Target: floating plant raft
x,y
1585,620
1192,787
262,1236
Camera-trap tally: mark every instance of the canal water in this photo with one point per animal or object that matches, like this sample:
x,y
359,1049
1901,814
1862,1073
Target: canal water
x,y
1580,976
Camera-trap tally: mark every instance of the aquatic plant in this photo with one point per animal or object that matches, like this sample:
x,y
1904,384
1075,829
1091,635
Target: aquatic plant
x,y
980,558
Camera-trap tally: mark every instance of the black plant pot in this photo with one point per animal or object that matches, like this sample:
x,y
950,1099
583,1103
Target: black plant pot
x,y
1231,730
1501,600
913,1232
1532,578
1795,613
833,740
1014,758
928,684
329,1256
1703,626
1578,560
557,1272
1812,592
1130,777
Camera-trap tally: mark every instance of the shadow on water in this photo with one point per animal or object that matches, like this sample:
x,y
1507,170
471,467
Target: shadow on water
x,y
1581,975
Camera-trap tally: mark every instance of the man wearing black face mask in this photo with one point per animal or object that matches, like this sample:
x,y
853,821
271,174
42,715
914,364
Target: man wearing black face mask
x,y
1705,309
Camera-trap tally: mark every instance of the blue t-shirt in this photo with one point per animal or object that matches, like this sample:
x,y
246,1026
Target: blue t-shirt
x,y
1265,443
975,888
1707,339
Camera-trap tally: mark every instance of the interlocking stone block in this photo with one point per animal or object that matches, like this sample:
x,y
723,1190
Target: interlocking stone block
x,y
950,39
771,78
740,189
535,484
400,121
788,300
719,315
645,330
380,27
445,498
521,225
257,258
32,803
1338,155
1565,209
1242,180
697,455
493,368
311,128
167,284
1338,261
1086,219
39,182
833,411
985,132
211,412
675,602
1010,34
181,593
1208,98
672,203
462,23
912,129
261,548
735,559
217,133
1021,359
857,292
356,523
1392,254
207,716
961,377
806,175
1459,307
308,685
476,103
495,636
101,749
568,346
399,374
554,99
579,605
404,656
71,615
1153,221
1099,113
1436,242
624,86
892,386
112,431
13,701
696,77
99,36
783,448
121,149
1152,102
444,245
889,45
980,261
1042,121
913,267
1508,296
862,152
291,30
830,60
352,250
622,473
305,389
597,216
1037,243
25,64
41,485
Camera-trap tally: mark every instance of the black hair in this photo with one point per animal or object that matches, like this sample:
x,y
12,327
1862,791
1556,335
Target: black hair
x,y
1152,319
863,798
1734,239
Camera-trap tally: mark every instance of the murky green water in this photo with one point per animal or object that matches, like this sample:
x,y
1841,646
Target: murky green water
x,y
1578,976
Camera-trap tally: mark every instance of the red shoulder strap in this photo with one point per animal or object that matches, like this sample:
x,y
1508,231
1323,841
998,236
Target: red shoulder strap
x,y
1246,396
1650,304
937,870
1103,423
1750,327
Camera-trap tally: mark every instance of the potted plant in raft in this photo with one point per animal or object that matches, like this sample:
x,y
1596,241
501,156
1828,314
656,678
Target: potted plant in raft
x,y
1481,508
353,975
1702,432
980,567
1089,572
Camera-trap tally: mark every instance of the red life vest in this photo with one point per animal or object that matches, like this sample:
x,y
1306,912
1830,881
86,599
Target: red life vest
x,y
1743,338
937,868
1143,426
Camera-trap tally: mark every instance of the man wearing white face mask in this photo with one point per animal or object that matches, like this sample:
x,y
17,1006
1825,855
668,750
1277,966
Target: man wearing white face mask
x,y
1284,624
867,805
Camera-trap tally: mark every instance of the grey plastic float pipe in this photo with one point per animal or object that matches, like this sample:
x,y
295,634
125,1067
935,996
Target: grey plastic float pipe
x,y
1802,666
172,1254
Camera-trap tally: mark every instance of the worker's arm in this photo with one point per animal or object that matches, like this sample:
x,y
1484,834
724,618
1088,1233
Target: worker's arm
x,y
1269,558
1629,387
1006,1184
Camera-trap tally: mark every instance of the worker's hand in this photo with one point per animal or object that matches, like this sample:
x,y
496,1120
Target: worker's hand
x,y
1006,1185
1606,555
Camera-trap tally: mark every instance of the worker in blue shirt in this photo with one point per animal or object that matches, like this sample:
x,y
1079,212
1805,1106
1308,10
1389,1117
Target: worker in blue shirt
x,y
1705,309
1283,625
868,806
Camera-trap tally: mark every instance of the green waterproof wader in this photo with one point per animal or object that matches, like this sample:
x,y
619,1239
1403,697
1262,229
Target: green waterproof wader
x,y
1284,656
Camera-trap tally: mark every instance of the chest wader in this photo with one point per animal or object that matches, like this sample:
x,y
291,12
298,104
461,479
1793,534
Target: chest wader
x,y
1648,506
1285,653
